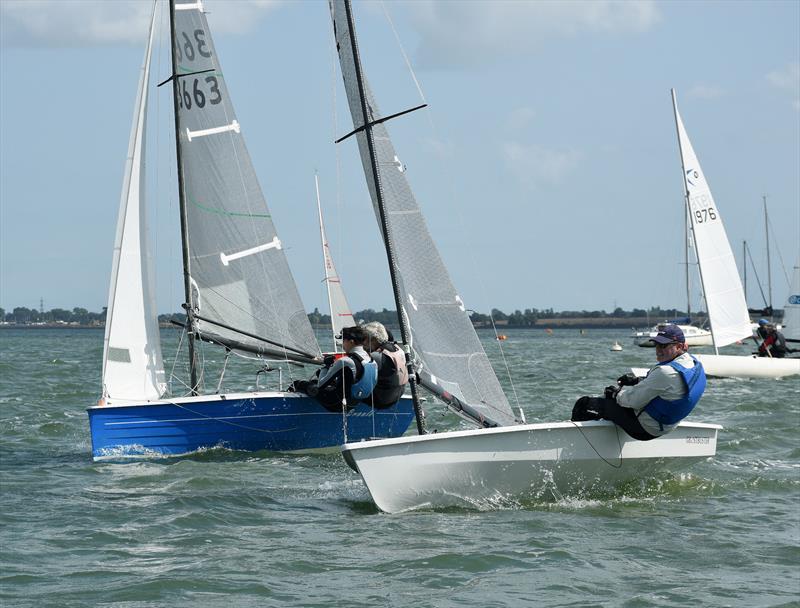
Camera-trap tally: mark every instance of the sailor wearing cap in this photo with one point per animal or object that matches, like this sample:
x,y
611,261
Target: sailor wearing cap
x,y
654,406
349,379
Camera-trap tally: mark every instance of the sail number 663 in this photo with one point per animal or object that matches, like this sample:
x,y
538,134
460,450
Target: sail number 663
x,y
193,94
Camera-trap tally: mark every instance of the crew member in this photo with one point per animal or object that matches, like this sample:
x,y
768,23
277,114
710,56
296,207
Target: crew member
x,y
346,381
774,345
391,362
654,406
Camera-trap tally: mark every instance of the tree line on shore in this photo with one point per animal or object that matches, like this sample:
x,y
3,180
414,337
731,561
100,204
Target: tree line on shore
x,y
527,318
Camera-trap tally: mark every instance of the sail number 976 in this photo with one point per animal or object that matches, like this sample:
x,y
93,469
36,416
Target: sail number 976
x,y
704,215
702,209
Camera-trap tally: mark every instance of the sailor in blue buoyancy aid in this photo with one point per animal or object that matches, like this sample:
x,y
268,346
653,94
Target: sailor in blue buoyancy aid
x,y
348,380
651,407
392,367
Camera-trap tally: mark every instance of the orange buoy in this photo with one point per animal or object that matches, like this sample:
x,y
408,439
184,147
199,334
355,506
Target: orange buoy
x,y
502,337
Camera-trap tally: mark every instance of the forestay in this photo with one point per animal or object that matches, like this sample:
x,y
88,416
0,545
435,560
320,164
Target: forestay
x,y
239,273
722,288
441,334
132,364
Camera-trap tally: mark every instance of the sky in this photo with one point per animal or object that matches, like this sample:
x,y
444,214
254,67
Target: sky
x,y
546,163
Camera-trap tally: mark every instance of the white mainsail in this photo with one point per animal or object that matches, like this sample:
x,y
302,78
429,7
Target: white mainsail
x,y
791,310
341,313
132,364
722,288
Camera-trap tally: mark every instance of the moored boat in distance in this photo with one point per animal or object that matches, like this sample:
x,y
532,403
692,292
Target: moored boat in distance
x,y
695,336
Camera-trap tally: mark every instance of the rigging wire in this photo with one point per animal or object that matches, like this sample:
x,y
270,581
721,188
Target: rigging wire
x,y
619,443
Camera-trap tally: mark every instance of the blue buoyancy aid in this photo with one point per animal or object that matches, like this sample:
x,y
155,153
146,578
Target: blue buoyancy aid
x,y
672,412
366,376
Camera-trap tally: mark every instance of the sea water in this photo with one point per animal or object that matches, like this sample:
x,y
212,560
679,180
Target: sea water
x,y
260,529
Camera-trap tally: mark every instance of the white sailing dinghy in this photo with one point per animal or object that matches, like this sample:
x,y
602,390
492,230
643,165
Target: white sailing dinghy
x,y
502,456
722,287
240,294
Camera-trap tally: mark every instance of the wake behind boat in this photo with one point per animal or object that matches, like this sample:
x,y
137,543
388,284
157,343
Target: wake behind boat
x,y
502,456
240,295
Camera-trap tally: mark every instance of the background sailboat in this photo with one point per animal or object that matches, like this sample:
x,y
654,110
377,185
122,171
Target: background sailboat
x,y
240,294
341,313
722,288
502,456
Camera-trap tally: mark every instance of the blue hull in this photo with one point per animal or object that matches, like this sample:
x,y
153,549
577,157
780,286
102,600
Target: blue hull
x,y
276,421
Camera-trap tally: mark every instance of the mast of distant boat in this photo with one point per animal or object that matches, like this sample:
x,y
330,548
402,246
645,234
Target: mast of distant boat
x,y
187,278
325,261
686,254
769,266
367,128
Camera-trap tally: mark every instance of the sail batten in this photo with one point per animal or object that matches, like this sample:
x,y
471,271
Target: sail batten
x,y
238,267
421,275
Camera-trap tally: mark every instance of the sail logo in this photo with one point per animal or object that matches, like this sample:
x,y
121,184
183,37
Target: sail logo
x,y
692,174
794,300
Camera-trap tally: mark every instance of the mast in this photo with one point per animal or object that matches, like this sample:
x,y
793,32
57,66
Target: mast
x,y
686,258
769,266
404,330
187,278
688,207
744,268
324,261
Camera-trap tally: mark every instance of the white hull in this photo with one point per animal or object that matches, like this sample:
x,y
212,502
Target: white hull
x,y
479,466
694,336
748,366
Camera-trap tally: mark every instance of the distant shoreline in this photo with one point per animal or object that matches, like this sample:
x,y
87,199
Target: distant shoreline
x,y
559,323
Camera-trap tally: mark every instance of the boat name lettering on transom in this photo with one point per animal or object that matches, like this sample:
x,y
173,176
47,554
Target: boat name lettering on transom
x,y
697,440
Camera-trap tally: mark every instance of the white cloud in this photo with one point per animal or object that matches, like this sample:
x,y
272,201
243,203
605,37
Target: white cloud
x,y
533,164
787,79
75,23
464,33
705,91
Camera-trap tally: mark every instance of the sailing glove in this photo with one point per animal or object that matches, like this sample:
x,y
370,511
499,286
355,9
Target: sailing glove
x,y
611,392
629,379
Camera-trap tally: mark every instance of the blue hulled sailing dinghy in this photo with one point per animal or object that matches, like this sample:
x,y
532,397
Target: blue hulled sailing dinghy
x,y
239,292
